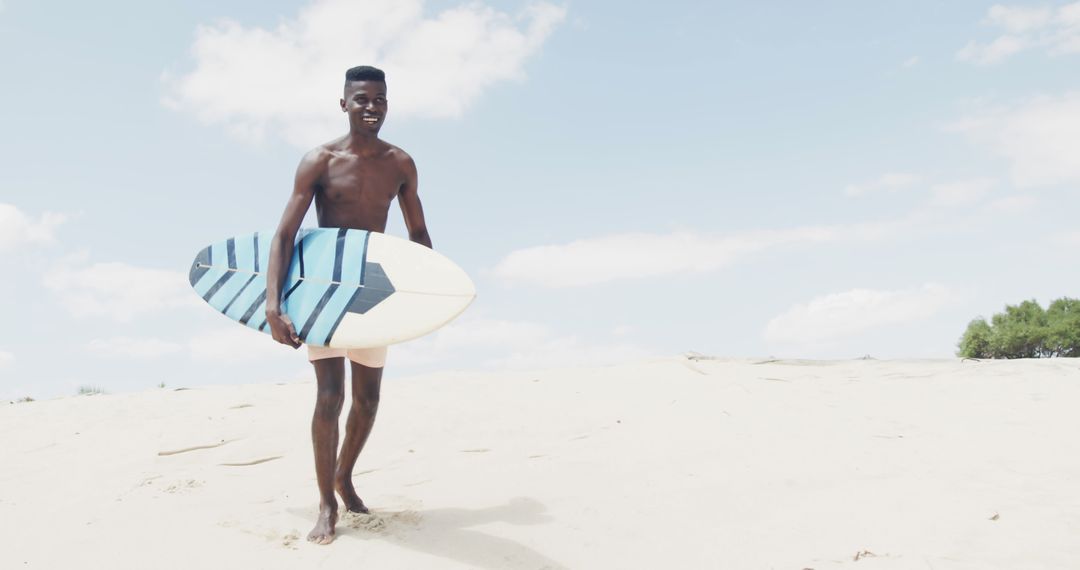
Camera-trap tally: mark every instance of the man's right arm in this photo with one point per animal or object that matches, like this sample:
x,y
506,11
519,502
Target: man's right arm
x,y
281,247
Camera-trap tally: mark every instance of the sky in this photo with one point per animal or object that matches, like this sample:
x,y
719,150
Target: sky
x,y
622,181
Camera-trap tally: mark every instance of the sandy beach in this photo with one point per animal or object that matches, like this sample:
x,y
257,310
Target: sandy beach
x,y
669,463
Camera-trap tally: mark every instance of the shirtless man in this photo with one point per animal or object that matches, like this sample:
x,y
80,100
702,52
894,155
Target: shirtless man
x,y
353,180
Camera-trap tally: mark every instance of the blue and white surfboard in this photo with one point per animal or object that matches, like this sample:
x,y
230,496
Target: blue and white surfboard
x,y
344,289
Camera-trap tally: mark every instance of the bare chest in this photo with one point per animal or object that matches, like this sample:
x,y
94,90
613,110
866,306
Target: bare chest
x,y
349,180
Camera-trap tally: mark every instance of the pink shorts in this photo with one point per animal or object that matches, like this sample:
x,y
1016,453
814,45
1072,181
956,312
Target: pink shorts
x,y
370,357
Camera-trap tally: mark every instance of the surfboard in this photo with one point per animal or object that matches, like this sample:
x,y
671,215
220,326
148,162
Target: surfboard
x,y
344,288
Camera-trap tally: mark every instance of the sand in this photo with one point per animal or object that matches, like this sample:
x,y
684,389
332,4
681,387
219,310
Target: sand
x,y
668,463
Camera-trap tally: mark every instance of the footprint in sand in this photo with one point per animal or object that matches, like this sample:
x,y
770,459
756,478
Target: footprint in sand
x,y
194,448
252,462
183,486
290,539
382,523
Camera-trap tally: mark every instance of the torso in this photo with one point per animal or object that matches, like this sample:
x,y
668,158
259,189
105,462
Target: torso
x,y
356,191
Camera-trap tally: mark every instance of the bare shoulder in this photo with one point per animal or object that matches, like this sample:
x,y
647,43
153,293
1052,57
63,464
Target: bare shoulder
x,y
317,156
314,162
402,159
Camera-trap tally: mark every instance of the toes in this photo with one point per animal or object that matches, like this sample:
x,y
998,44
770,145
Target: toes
x,y
320,538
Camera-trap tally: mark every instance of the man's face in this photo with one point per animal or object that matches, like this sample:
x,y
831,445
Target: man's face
x,y
365,102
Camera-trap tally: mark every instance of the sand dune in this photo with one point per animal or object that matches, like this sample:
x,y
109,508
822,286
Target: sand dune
x,y
670,463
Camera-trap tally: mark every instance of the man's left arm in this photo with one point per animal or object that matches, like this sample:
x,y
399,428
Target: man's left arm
x,y
411,209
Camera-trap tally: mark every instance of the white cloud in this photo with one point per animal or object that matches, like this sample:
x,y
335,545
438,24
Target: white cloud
x,y
129,347
991,53
1069,238
1020,19
890,182
17,228
961,193
1039,138
287,80
511,344
6,358
237,343
1014,204
911,61
640,255
1057,30
846,314
117,291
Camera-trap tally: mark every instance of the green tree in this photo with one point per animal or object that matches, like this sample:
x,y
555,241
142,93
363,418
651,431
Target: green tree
x,y
976,340
1019,332
1063,324
1025,331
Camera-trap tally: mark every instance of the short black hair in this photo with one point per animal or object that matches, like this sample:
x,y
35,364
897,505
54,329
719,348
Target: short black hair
x,y
365,73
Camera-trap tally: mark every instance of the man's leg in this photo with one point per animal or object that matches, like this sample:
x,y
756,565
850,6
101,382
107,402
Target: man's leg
x,y
366,382
330,374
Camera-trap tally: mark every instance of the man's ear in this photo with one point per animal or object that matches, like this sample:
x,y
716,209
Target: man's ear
x,y
342,103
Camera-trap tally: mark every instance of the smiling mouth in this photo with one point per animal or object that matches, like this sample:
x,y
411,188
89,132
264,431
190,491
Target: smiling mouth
x,y
370,120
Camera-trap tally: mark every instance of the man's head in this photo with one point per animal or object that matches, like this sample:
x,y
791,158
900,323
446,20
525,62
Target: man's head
x,y
365,98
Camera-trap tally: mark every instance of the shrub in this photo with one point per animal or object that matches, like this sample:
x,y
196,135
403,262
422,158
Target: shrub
x,y
1025,331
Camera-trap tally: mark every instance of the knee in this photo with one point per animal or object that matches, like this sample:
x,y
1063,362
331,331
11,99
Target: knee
x,y
328,403
366,402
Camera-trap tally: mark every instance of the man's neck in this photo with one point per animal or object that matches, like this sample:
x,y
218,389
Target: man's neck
x,y
364,143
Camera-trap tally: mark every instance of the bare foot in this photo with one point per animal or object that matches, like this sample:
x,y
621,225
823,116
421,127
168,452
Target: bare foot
x,y
323,533
352,501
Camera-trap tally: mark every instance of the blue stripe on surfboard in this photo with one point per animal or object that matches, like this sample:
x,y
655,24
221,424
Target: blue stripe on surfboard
x,y
364,291
214,274
247,259
248,299
317,307
325,323
226,276
310,316
231,249
241,256
243,298
303,302
299,258
320,251
255,244
262,324
264,239
363,257
339,252
305,331
316,312
255,315
199,267
253,308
